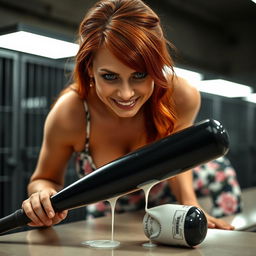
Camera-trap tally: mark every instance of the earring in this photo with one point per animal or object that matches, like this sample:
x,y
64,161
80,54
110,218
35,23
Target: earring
x,y
91,81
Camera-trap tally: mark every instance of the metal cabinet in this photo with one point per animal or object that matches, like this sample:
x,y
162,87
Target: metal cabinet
x,y
28,87
239,119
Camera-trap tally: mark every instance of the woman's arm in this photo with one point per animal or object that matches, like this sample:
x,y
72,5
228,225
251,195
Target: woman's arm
x,y
59,142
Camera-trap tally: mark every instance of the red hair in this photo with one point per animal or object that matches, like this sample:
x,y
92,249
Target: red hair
x,y
132,32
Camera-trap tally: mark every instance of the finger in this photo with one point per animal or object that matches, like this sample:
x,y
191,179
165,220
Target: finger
x,y
224,225
63,214
211,225
26,206
220,224
32,224
210,222
47,205
38,209
59,217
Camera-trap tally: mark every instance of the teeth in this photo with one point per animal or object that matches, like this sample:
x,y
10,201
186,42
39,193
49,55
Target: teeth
x,y
126,103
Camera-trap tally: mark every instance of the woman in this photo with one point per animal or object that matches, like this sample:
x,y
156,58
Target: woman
x,y
123,97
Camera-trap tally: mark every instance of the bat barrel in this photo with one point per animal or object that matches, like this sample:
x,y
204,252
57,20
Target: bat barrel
x,y
158,161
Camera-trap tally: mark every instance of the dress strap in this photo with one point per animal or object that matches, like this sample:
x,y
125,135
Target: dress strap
x,y
88,121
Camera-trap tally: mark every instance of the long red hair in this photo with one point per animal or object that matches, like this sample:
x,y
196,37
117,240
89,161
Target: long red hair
x,y
132,32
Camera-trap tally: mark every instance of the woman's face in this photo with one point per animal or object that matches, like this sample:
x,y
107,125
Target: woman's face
x,y
121,88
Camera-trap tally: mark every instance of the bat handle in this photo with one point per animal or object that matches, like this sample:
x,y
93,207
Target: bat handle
x,y
14,220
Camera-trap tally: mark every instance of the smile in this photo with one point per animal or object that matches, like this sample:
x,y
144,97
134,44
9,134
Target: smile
x,y
125,104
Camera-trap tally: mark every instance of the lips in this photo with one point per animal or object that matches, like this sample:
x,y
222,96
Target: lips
x,y
125,104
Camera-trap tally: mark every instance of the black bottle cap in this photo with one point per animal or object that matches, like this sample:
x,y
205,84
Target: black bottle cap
x,y
195,228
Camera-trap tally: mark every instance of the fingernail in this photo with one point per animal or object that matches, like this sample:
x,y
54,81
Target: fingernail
x,y
51,214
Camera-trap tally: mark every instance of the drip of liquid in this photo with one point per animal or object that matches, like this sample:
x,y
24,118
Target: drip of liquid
x,y
112,203
106,243
112,243
146,189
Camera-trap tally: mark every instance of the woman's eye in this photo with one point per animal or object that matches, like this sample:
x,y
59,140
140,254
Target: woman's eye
x,y
140,75
109,77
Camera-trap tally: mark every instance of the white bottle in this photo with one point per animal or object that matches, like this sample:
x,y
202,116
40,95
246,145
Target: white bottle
x,y
174,224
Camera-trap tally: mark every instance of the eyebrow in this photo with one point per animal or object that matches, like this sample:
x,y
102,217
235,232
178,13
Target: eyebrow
x,y
108,71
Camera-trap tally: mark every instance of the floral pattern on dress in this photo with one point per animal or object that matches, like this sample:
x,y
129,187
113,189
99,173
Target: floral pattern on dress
x,y
218,179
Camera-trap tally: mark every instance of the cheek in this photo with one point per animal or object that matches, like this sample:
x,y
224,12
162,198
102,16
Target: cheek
x,y
103,90
99,86
149,88
152,86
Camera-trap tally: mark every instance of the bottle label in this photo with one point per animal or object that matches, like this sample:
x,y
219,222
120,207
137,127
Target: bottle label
x,y
178,224
165,224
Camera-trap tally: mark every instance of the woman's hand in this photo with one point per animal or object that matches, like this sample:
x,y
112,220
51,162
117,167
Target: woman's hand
x,y
182,188
39,209
218,223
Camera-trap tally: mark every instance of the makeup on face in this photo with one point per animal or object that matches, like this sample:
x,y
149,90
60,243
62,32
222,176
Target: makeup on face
x,y
118,86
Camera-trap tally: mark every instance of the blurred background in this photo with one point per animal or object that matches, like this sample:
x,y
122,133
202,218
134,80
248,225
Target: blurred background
x,y
215,41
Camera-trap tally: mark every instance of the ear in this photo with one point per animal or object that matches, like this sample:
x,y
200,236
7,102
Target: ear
x,y
90,72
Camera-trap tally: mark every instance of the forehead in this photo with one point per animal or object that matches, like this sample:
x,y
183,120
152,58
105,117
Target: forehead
x,y
105,59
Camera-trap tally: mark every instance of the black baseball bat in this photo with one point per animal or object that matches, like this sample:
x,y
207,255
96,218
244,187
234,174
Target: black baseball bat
x,y
160,160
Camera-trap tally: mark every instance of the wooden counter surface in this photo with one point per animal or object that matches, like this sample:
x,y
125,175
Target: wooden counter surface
x,y
66,239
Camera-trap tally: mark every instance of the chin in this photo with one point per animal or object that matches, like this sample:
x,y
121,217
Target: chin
x,y
126,114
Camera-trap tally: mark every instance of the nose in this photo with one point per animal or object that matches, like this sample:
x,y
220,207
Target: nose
x,y
126,91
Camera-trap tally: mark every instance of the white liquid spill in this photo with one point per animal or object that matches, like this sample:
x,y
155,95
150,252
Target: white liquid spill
x,y
102,243
106,243
146,189
149,244
112,203
112,243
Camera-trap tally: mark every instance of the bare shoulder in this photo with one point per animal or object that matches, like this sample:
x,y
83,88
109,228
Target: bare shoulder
x,y
68,105
66,119
185,94
187,102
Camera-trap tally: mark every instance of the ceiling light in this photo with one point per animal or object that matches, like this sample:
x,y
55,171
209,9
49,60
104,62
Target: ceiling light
x,y
254,1
251,98
26,39
216,86
224,88
189,75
